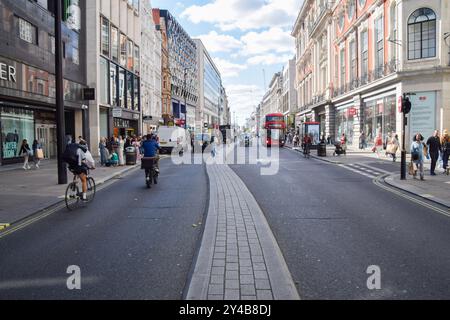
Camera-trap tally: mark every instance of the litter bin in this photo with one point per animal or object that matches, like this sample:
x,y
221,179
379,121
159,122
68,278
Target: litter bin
x,y
131,156
322,150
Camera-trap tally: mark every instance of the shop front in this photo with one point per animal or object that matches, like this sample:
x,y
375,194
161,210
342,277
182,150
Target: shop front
x,y
125,128
379,117
345,122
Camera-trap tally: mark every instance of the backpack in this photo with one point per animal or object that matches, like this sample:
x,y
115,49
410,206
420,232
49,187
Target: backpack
x,y
70,155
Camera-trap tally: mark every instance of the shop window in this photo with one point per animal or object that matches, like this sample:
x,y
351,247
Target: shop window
x,y
137,60
422,34
113,80
17,125
136,93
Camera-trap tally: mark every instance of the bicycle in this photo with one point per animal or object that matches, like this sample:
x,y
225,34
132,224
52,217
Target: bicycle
x,y
73,194
151,170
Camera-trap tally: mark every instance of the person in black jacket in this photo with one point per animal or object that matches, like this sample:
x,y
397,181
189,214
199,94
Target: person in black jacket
x,y
434,147
25,151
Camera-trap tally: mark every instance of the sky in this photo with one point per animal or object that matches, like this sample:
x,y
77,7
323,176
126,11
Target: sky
x,y
249,41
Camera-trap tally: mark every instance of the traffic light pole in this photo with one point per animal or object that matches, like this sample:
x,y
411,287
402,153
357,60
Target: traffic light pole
x,y
60,122
403,163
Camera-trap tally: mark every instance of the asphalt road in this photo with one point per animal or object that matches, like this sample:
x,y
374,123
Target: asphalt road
x,y
130,243
332,224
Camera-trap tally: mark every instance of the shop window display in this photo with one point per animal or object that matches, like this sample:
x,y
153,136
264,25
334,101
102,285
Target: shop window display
x,y
17,124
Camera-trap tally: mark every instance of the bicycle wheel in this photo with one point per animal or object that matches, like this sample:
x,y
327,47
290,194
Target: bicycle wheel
x,y
72,196
91,189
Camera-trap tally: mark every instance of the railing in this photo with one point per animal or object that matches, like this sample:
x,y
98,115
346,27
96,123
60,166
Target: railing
x,y
378,73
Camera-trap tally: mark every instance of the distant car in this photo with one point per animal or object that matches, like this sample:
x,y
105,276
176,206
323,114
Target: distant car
x,y
201,142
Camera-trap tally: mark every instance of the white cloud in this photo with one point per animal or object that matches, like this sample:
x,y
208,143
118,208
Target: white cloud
x,y
243,99
245,15
269,59
215,42
273,40
228,69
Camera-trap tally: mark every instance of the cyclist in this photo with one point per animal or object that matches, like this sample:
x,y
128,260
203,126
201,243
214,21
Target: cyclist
x,y
80,168
151,147
306,144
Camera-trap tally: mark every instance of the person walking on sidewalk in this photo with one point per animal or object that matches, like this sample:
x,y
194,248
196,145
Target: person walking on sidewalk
x,y
120,151
392,147
445,144
362,141
103,151
26,152
417,156
344,142
37,153
434,147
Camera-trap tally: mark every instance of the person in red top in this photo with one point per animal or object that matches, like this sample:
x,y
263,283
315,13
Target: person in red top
x,y
307,141
344,142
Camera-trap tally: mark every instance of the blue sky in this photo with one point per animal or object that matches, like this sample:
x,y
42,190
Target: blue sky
x,y
244,37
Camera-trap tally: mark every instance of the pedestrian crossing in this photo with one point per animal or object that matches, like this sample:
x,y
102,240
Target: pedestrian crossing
x,y
369,172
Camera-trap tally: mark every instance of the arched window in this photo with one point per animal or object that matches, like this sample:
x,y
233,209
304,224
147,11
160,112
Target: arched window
x,y
422,34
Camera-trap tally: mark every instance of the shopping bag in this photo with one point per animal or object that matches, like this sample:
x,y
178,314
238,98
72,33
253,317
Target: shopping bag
x,y
39,154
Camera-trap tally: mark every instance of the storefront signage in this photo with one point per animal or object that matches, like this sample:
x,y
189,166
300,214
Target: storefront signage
x,y
117,113
136,116
352,112
423,113
121,123
7,73
89,94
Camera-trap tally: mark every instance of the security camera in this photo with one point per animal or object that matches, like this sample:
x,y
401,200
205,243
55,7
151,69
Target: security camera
x,y
84,107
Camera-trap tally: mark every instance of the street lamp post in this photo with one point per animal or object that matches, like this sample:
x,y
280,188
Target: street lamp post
x,y
60,122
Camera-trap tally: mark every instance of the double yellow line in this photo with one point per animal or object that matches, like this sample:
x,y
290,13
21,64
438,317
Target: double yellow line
x,y
378,182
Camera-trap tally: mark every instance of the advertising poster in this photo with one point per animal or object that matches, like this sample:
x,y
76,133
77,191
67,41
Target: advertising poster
x,y
423,114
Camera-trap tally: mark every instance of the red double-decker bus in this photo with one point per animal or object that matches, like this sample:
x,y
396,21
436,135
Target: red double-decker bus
x,y
274,130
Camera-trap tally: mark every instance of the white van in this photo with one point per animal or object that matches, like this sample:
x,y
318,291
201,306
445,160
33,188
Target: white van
x,y
173,138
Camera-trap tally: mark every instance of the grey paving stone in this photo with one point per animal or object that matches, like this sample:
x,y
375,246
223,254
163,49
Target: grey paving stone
x,y
216,289
264,295
259,266
248,289
232,284
231,294
220,249
232,275
232,266
215,297
232,259
261,275
262,284
218,270
258,258
248,298
219,255
217,279
219,263
247,279
246,270
245,262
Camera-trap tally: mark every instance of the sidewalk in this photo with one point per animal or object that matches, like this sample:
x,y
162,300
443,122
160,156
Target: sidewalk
x,y
434,188
24,193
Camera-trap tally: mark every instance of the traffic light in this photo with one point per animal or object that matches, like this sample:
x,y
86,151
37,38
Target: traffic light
x,y
406,105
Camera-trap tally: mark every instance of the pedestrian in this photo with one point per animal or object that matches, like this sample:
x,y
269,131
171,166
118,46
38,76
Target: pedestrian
x,y
120,151
137,146
38,154
417,155
344,143
213,147
25,152
392,147
434,147
378,144
445,145
362,141
103,151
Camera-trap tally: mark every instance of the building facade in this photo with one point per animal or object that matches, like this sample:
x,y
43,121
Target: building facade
x,y
377,51
272,101
113,68
179,71
211,92
27,74
151,81
288,103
